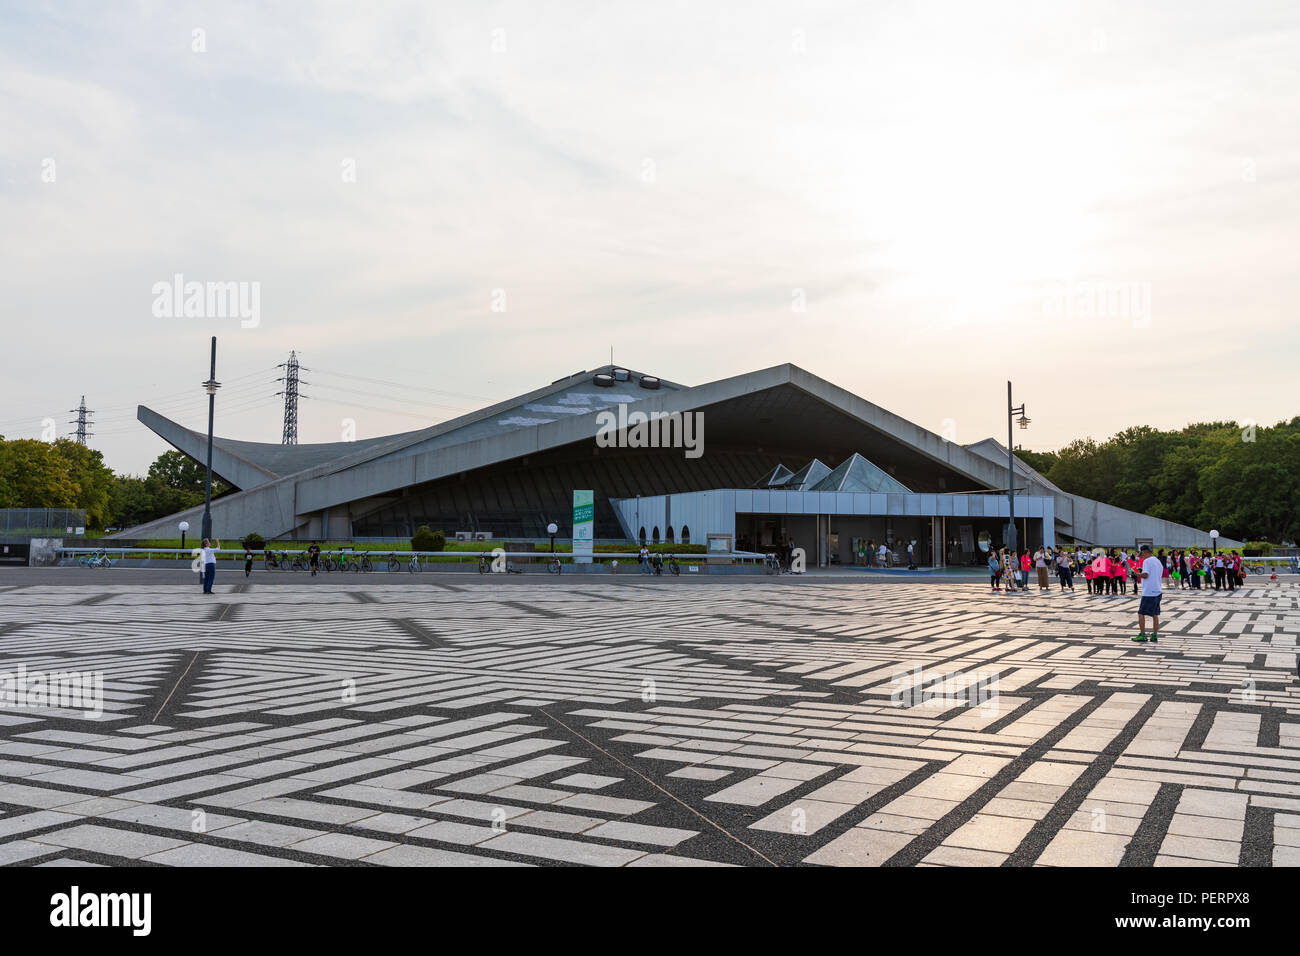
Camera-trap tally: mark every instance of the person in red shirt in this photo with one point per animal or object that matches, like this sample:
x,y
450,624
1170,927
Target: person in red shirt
x,y
1135,572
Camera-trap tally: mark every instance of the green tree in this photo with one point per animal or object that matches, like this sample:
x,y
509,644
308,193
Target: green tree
x,y
85,468
1041,462
34,475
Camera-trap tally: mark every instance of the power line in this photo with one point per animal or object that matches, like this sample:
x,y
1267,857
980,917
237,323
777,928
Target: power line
x,y
329,389
392,384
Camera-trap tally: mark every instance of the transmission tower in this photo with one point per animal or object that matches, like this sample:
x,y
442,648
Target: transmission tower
x,y
82,420
291,395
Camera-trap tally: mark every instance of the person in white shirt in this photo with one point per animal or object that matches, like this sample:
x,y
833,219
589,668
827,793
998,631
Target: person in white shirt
x,y
1040,567
1151,576
208,561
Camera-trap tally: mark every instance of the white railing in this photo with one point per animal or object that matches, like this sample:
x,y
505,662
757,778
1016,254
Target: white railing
x,y
1276,565
379,560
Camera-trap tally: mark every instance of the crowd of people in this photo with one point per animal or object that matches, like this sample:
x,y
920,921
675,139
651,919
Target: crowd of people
x,y
1110,572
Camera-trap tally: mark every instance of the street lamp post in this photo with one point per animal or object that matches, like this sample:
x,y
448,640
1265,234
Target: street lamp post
x,y
1011,467
551,529
184,526
1214,541
210,386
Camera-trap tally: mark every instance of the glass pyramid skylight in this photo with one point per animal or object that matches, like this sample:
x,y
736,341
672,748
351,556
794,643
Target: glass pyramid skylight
x,y
855,473
774,477
805,477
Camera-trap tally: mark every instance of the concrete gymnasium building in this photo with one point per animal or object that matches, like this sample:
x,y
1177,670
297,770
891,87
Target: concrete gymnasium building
x,y
778,453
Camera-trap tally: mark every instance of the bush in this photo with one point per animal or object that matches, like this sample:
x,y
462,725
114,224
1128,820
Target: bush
x,y
425,539
253,541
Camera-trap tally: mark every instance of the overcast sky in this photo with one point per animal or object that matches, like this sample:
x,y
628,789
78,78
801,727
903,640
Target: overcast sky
x,y
916,201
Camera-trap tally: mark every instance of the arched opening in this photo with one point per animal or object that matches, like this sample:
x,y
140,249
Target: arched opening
x,y
654,535
686,534
641,536
668,535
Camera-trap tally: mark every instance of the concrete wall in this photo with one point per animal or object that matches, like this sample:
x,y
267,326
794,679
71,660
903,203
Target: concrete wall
x,y
1102,524
704,512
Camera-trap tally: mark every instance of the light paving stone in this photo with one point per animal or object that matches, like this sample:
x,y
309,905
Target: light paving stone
x,y
987,832
755,791
201,854
559,822
587,781
700,773
530,794
640,833
172,818
1198,848
561,850
803,817
114,842
860,846
265,833
664,859
611,806
448,831
947,855
343,845
1084,848
21,851
1210,803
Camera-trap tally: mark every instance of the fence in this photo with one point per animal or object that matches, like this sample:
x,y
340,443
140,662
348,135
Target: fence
x,y
20,525
626,562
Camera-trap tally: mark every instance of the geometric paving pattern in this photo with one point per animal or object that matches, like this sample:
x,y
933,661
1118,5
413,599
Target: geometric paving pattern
x,y
649,722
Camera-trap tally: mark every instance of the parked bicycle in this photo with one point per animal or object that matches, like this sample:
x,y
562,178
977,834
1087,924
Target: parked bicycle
x,y
364,564
553,566
393,563
414,564
299,562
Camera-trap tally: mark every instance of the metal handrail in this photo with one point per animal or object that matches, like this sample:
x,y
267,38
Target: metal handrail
x,y
472,555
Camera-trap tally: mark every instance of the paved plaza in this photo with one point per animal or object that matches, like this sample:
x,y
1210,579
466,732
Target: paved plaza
x,y
634,721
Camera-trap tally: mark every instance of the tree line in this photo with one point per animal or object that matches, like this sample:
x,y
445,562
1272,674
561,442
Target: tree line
x,y
66,474
1240,479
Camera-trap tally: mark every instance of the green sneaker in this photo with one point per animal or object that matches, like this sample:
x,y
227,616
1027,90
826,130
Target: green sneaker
x,y
1141,638
1155,638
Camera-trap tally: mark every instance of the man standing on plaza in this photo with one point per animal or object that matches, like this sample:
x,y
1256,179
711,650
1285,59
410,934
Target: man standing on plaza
x,y
1151,576
208,561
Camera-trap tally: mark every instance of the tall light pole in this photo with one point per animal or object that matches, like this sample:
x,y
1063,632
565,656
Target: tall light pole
x,y
210,386
184,526
1011,467
551,529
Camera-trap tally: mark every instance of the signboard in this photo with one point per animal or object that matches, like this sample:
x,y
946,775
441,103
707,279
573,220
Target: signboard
x,y
584,526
